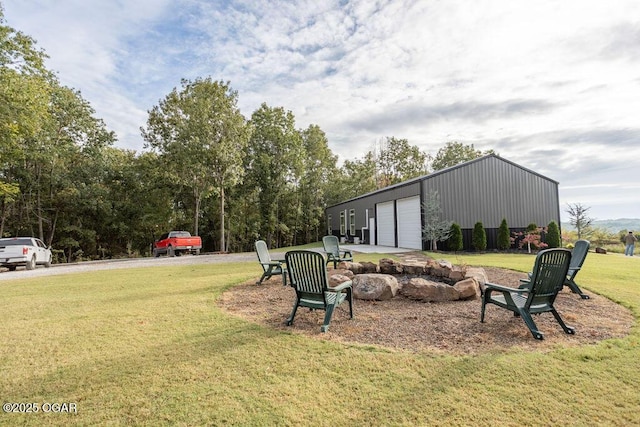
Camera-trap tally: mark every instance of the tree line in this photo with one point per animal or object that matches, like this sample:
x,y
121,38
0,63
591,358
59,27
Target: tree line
x,y
205,168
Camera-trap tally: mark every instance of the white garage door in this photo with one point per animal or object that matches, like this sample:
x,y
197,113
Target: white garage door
x,y
409,224
386,224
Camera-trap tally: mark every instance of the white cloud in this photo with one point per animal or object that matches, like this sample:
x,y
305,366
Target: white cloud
x,y
551,85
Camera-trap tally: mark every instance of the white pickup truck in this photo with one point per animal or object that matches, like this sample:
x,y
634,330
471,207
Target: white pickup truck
x,y
27,251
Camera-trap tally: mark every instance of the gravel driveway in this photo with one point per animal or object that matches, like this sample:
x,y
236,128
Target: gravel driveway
x,y
82,267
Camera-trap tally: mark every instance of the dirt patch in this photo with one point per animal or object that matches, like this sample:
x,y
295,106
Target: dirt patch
x,y
446,327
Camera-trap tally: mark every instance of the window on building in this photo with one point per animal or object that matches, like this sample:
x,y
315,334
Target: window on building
x,y
352,222
329,227
343,223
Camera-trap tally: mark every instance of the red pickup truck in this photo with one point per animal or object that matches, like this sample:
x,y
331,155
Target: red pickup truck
x,y
176,243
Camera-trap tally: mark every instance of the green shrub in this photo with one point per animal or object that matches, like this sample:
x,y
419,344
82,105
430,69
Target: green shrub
x,y
531,228
479,239
552,239
455,243
504,238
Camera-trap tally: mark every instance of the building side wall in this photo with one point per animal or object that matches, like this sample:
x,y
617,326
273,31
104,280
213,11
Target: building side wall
x,y
368,203
492,189
486,190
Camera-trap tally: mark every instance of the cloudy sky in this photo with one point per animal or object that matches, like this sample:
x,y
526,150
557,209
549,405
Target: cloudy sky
x,y
551,85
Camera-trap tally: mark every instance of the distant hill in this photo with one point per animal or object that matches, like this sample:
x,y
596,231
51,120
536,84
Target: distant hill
x,y
611,225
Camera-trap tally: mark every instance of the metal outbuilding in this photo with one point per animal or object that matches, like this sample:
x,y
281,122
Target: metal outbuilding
x,y
486,189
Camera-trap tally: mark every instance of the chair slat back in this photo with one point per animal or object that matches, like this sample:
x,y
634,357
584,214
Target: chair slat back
x,y
548,275
307,273
578,255
263,252
331,245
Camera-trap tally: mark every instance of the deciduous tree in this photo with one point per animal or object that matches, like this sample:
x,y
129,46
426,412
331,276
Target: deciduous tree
x,y
275,154
531,237
202,136
24,101
398,161
319,171
435,229
354,178
454,153
579,219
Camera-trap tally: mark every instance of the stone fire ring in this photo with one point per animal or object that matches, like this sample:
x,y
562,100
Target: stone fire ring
x,y
428,281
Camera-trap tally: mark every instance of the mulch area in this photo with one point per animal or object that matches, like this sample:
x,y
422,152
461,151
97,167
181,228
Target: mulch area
x,y
443,327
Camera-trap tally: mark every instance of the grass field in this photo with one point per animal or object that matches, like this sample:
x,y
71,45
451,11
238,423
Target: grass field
x,y
150,347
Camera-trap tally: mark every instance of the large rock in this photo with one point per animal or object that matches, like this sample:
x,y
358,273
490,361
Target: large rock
x,y
375,286
456,274
468,289
369,267
341,271
479,275
426,290
344,265
337,279
389,266
414,267
354,267
359,267
441,269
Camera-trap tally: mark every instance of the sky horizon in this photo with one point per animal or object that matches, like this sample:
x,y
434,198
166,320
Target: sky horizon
x,y
552,86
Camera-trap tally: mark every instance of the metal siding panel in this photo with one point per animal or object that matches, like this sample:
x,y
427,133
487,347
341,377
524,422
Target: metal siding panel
x,y
486,190
360,207
492,189
334,211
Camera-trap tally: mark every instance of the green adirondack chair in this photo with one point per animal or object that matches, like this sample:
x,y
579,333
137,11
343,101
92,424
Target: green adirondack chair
x,y
578,255
547,278
334,254
308,276
269,266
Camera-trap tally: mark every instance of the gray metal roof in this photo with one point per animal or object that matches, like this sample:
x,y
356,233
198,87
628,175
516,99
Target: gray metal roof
x,y
442,172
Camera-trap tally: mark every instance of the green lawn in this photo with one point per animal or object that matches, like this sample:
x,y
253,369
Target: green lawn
x,y
150,347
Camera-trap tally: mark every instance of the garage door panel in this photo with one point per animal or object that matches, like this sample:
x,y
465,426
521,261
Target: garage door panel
x,y
409,223
385,223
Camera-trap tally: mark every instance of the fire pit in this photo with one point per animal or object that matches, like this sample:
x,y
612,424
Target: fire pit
x,y
429,281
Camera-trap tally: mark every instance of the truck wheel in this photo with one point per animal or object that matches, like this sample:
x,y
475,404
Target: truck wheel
x,y
170,251
12,267
156,254
197,252
31,264
48,263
